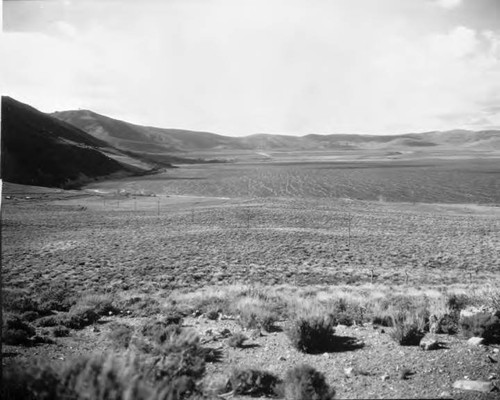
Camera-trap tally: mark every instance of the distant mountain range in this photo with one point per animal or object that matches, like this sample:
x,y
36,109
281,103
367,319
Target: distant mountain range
x,y
151,140
70,148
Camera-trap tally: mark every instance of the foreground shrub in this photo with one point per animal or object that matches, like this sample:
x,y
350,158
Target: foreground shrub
x,y
347,313
253,382
204,304
406,333
485,325
120,335
18,301
101,304
213,313
60,331
105,376
312,335
56,298
159,331
253,313
177,352
186,362
77,318
236,340
16,332
396,309
139,307
30,316
33,382
50,320
491,298
80,317
305,383
457,302
180,388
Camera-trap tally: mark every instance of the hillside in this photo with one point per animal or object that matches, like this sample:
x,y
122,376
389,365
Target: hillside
x,y
150,141
141,139
38,149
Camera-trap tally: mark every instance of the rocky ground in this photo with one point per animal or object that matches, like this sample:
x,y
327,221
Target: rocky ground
x,y
376,367
89,245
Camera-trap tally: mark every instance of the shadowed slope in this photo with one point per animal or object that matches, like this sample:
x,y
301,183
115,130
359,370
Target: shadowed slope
x,y
38,149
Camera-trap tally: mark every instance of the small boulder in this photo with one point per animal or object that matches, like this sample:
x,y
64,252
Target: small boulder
x,y
477,386
225,333
475,341
429,343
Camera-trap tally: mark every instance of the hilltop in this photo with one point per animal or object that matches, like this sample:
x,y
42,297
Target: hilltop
x,y
152,140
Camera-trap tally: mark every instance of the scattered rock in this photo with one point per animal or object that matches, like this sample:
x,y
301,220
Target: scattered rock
x,y
445,394
349,371
225,333
475,341
492,360
429,343
477,386
405,373
385,377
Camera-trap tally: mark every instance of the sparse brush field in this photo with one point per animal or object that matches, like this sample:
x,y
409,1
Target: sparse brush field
x,y
431,180
296,297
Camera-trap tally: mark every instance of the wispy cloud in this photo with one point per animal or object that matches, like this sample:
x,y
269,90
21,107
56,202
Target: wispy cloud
x,y
449,4
288,66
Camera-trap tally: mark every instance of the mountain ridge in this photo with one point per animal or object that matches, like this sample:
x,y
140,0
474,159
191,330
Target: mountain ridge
x,y
148,139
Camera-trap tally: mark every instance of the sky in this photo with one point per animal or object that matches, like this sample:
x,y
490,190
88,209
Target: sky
x,y
239,67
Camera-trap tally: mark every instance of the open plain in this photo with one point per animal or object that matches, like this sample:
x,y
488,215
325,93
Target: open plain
x,y
283,237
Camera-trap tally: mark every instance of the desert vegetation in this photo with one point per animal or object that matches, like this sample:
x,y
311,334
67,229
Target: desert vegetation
x,y
359,175
116,295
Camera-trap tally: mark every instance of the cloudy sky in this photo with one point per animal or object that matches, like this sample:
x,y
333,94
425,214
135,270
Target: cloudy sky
x,y
239,67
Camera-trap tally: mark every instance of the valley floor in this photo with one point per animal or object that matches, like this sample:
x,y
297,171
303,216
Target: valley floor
x,y
180,249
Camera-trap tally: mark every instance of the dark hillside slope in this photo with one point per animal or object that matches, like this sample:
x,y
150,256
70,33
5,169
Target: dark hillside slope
x,y
40,150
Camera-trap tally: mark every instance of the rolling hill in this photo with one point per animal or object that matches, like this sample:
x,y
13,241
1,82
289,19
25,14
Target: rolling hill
x,y
38,149
70,148
141,139
150,141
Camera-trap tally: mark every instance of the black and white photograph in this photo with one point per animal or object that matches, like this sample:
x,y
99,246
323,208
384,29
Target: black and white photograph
x,y
241,199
